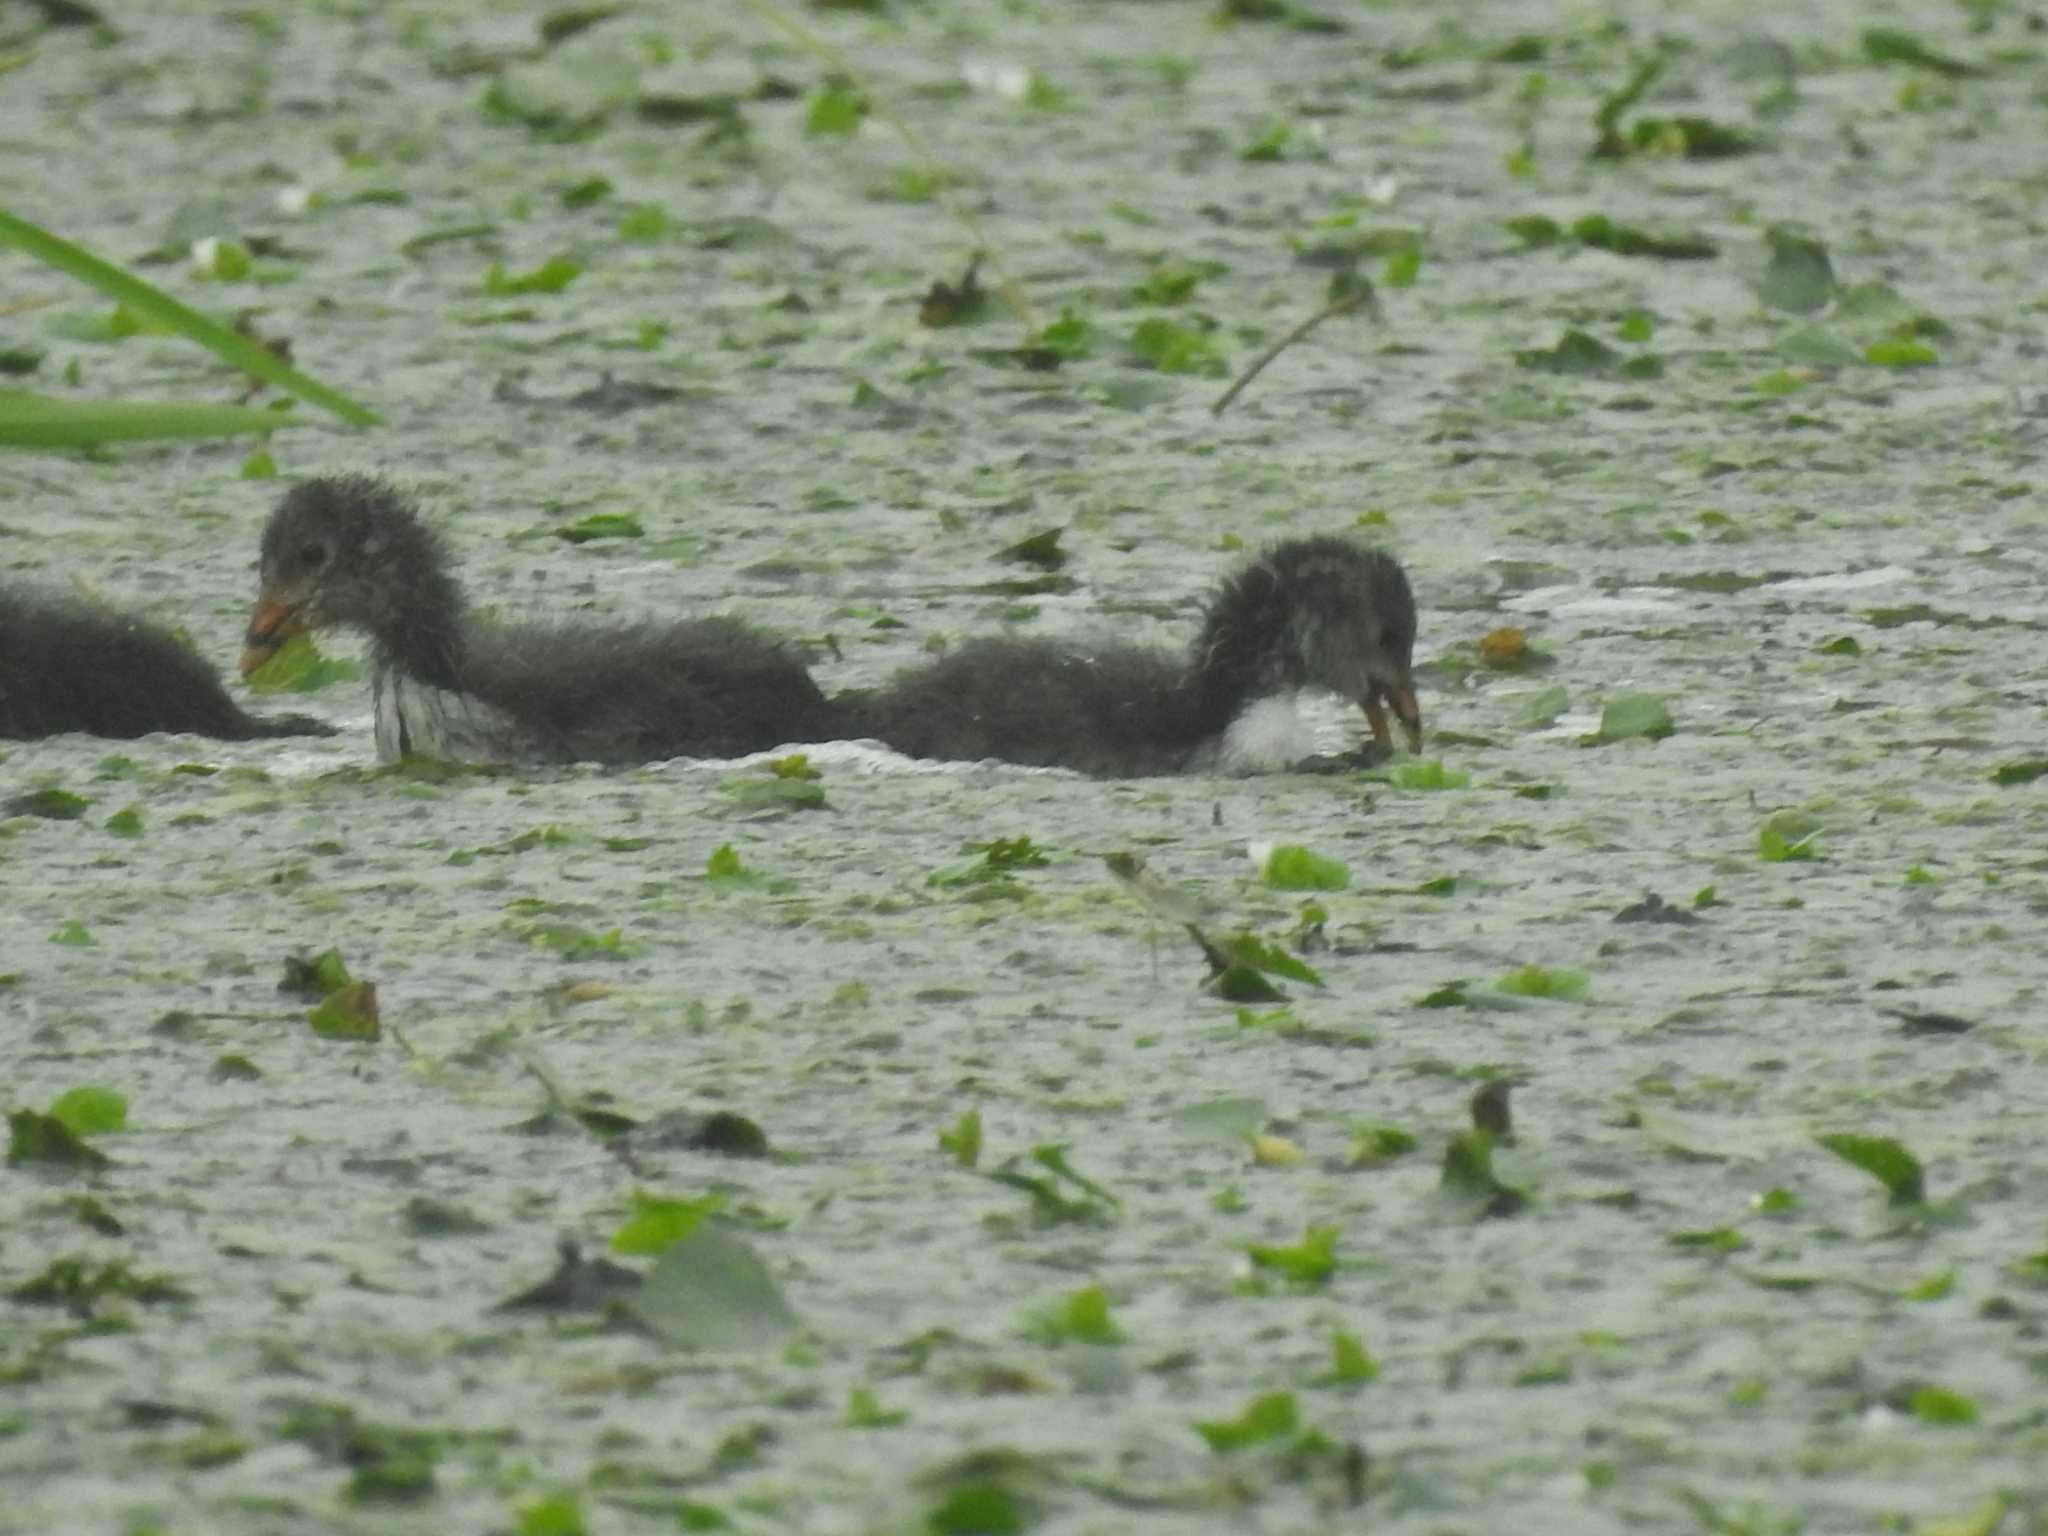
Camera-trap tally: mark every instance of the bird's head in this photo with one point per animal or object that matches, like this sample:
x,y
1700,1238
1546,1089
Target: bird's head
x,y
342,551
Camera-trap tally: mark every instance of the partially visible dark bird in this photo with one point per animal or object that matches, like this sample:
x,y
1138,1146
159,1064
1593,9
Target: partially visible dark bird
x,y
1308,613
349,551
67,665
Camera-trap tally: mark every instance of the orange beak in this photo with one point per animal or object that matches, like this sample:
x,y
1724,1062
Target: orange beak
x,y
1405,709
270,626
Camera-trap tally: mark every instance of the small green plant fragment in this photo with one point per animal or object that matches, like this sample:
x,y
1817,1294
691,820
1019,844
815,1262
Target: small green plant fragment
x,y
1939,1405
1050,1201
2024,771
1270,144
1468,1173
1271,1417
1800,279
559,1514
1428,774
1041,549
1885,1160
775,796
1886,45
74,935
90,1211
1842,645
835,110
1629,717
1403,267
1607,136
963,1139
298,667
1786,837
601,525
1291,867
40,1138
1069,339
1351,1363
80,1286
659,1221
91,1111
1174,348
864,1410
1541,981
1309,1262
1376,1143
1174,282
1081,1317
126,822
1900,352
551,276
982,1509
50,804
1598,232
320,975
348,1014
646,224
1712,1239
724,867
1574,353
1450,995
994,862
1248,952
711,1291
1540,710
960,303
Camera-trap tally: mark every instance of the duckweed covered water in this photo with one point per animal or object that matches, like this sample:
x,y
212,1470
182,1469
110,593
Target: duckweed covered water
x,y
1071,1244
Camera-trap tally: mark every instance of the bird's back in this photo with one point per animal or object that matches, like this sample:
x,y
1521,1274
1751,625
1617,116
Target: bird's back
x,y
639,692
67,666
1110,711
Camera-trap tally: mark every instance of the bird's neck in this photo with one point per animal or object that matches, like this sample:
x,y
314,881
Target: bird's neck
x,y
1241,655
426,637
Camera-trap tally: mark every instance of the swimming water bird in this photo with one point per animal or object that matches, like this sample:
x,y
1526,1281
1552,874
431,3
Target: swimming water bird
x,y
349,551
1316,612
67,665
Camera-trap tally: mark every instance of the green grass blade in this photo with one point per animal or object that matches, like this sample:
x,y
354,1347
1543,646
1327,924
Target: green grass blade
x,y
41,421
153,303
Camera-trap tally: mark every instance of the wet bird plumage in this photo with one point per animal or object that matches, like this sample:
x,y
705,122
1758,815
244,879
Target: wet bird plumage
x,y
1317,612
350,551
68,665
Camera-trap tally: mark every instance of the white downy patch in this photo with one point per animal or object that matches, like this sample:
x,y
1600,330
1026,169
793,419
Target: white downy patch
x,y
1269,735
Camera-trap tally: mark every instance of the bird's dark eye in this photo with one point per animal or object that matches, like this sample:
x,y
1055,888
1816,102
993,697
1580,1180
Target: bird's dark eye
x,y
313,555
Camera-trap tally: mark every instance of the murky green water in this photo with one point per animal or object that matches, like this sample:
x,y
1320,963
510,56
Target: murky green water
x,y
1651,1345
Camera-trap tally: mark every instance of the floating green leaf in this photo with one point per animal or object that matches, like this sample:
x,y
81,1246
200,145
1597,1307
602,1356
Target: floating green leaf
x,y
43,421
1291,867
1575,353
835,111
1629,717
1800,278
298,666
38,1138
1540,981
1271,1417
963,1139
658,1222
1351,1363
1886,45
1173,348
91,1111
1885,1160
348,1014
551,276
2024,771
712,1292
1080,1317
1309,1262
601,525
1787,836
